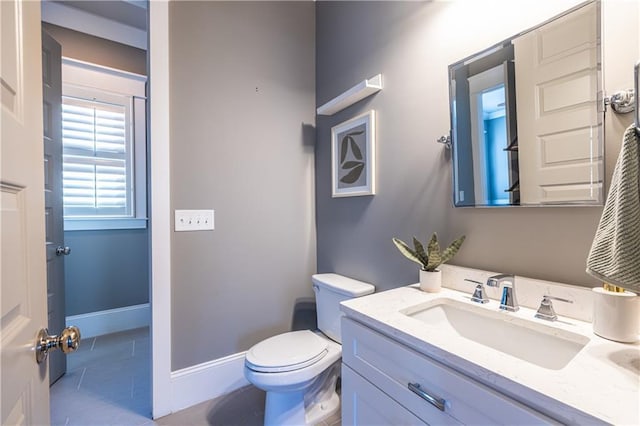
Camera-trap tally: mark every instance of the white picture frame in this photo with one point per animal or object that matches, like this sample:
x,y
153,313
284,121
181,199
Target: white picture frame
x,y
353,156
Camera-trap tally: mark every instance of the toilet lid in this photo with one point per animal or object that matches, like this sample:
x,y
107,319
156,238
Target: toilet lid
x,y
286,352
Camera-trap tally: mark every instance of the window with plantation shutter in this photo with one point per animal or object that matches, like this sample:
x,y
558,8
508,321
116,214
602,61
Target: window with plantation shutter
x,y
103,147
97,158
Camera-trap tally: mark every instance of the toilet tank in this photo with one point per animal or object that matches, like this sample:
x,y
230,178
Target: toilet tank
x,y
331,289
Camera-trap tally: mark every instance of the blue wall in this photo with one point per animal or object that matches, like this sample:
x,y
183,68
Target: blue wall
x,y
356,40
106,270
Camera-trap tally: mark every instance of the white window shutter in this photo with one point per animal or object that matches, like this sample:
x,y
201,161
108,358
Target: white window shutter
x,y
97,158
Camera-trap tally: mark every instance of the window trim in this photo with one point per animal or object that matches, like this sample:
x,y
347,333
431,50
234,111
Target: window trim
x,y
104,224
78,77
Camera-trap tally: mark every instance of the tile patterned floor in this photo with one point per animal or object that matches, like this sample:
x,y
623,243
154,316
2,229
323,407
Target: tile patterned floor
x,y
108,383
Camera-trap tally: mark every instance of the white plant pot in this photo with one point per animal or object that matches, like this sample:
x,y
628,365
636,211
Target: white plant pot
x,y
431,282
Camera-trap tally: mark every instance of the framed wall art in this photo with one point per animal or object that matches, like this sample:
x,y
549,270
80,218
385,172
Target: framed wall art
x,y
353,156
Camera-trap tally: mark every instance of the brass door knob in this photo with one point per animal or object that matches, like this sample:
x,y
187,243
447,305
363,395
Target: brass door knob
x,y
68,341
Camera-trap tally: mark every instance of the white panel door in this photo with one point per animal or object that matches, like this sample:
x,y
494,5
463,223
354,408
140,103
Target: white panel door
x,y
25,384
558,120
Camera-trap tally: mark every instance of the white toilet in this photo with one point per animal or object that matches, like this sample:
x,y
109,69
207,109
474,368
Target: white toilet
x,y
299,369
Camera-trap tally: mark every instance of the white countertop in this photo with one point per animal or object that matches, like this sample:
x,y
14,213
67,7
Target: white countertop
x,y
600,384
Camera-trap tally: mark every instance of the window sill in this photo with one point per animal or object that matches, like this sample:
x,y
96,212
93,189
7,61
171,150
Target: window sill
x,y
104,224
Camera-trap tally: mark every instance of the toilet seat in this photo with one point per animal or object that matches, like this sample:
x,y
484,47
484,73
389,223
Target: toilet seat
x,y
286,352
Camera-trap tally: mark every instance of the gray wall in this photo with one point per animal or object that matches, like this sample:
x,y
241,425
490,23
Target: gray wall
x,y
412,43
97,50
242,92
106,270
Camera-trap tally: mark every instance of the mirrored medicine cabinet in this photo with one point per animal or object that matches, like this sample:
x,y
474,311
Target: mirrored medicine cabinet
x,y
527,126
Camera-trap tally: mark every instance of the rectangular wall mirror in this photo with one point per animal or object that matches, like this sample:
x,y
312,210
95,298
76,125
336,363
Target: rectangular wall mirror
x,y
527,126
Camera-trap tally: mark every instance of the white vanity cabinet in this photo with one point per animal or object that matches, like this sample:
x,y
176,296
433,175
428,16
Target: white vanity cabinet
x,y
364,404
377,373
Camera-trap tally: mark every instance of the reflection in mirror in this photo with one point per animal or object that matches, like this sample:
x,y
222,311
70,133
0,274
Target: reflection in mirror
x,y
487,172
526,127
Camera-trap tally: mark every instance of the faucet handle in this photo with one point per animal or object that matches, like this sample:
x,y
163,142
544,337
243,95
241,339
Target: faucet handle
x,y
479,294
546,311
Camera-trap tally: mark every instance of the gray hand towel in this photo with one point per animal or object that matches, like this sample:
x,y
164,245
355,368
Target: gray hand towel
x,y
615,252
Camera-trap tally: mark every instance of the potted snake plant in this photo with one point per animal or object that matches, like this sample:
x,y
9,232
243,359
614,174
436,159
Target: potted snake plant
x,y
429,259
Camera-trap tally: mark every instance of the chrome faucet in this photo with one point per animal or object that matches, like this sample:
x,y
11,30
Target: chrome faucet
x,y
508,301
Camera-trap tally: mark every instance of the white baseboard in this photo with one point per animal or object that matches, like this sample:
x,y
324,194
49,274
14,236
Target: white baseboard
x,y
189,386
202,382
112,320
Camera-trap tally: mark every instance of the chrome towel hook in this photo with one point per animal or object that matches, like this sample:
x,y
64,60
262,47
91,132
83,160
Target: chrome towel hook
x,y
445,140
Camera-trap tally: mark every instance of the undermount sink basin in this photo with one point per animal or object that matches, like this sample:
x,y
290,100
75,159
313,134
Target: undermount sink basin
x,y
530,341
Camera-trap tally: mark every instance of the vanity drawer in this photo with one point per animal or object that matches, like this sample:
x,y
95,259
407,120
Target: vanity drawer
x,y
365,405
391,366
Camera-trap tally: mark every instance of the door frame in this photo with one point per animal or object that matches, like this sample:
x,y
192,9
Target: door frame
x,y
160,213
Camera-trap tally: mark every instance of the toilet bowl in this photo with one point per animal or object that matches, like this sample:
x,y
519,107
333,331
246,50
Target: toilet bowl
x,y
299,369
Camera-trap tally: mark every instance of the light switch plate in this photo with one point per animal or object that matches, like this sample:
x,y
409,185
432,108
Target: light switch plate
x,y
194,220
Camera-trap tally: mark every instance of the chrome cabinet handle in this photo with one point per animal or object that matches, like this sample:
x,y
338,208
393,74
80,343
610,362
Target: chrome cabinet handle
x,y
433,400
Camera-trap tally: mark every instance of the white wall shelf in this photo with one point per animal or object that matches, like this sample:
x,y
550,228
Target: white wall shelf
x,y
358,92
